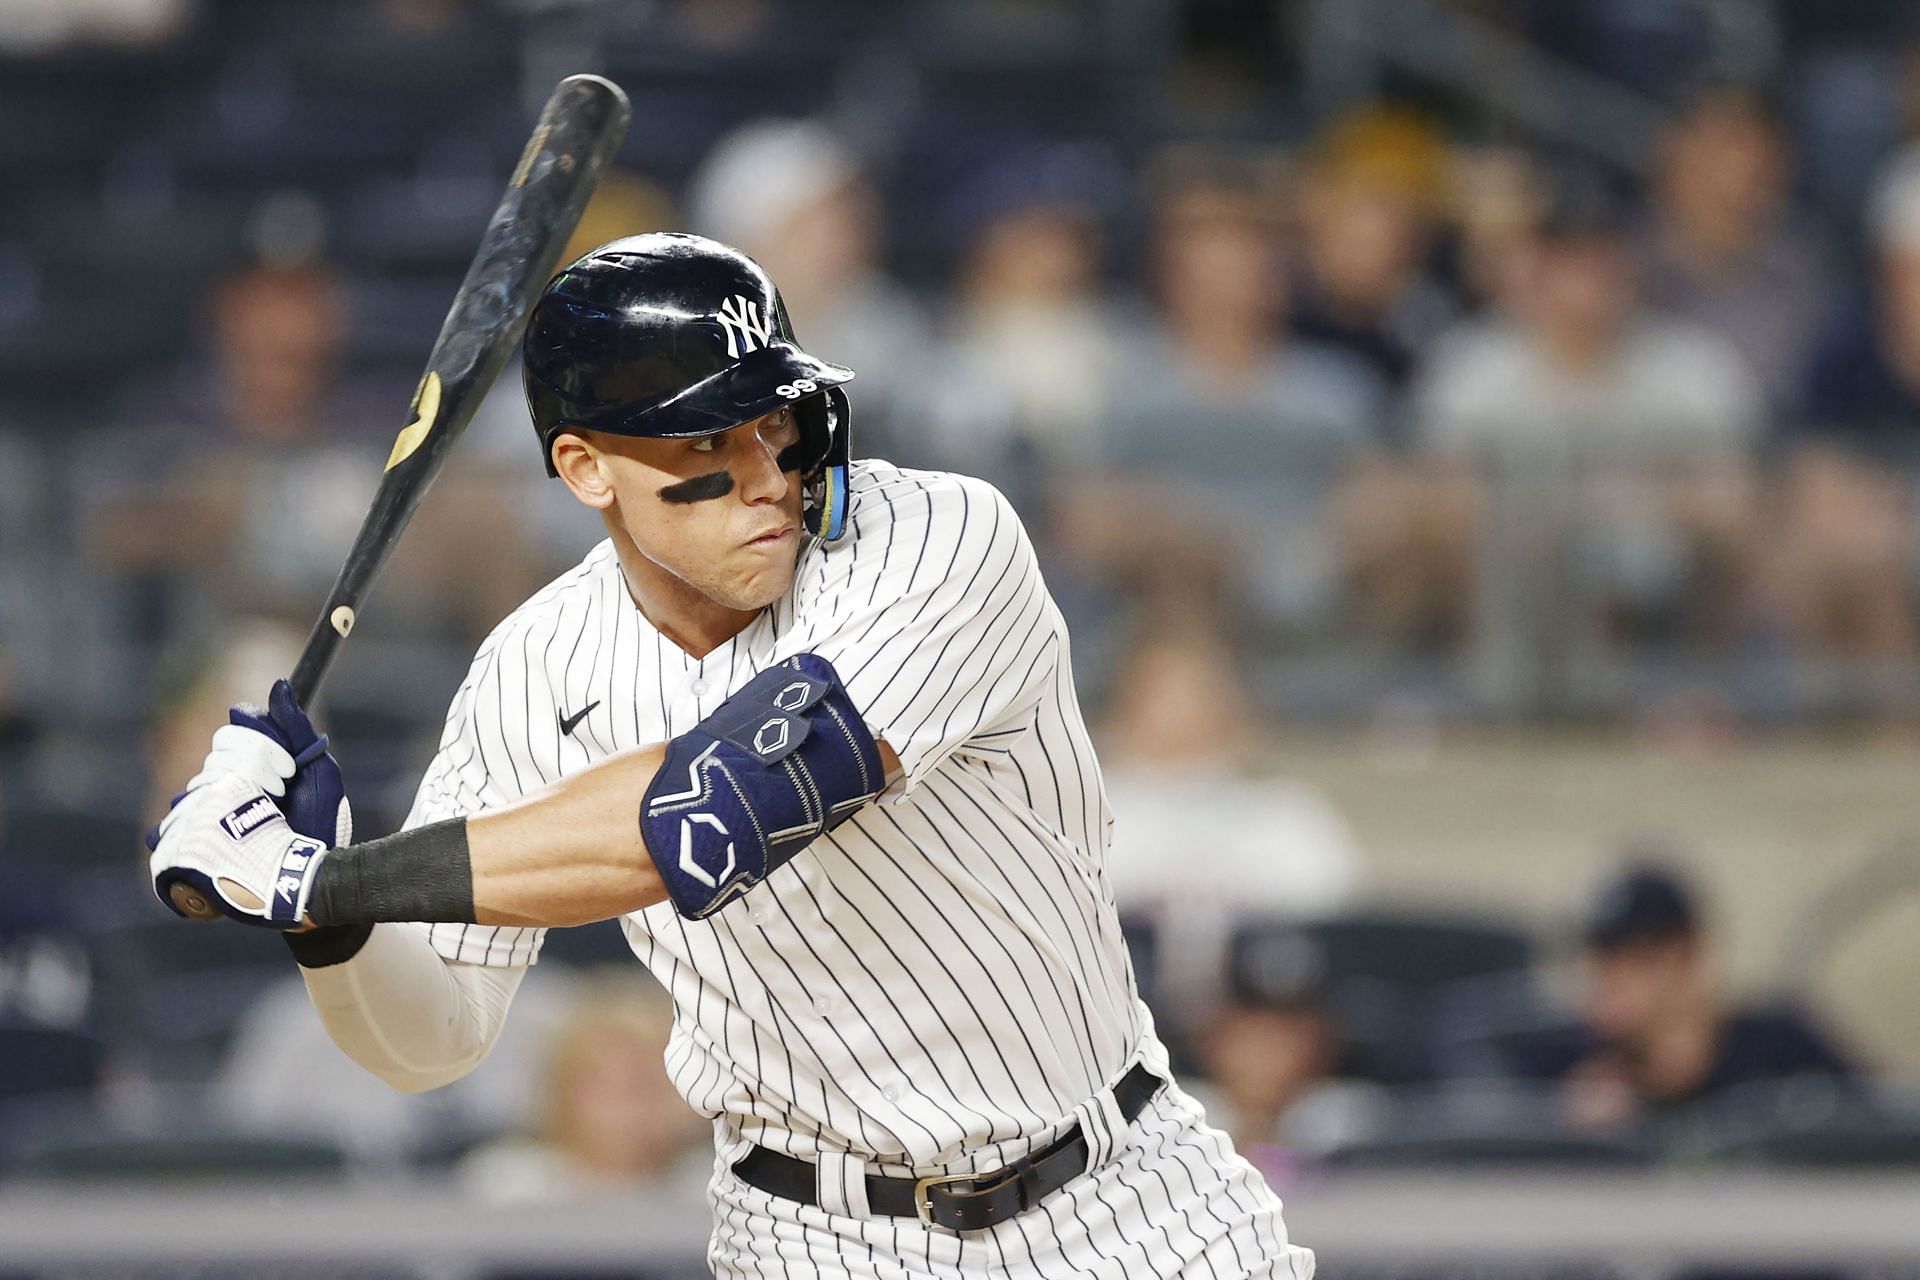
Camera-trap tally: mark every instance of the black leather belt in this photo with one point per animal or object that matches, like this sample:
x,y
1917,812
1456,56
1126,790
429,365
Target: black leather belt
x,y
958,1202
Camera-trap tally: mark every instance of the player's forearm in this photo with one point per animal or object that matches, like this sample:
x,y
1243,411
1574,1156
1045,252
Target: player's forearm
x,y
408,1016
571,853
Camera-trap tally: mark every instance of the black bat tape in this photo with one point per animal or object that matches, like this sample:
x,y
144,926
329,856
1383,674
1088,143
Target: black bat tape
x,y
714,484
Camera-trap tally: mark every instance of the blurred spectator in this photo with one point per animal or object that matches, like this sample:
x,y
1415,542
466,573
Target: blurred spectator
x,y
1723,250
1179,704
1409,526
1863,391
1366,204
196,685
1651,421
716,25
1031,346
37,26
273,373
1408,531
242,484
793,195
624,204
1498,197
1581,368
609,1119
1271,1052
1841,578
1663,1033
1181,748
1224,441
420,16
234,479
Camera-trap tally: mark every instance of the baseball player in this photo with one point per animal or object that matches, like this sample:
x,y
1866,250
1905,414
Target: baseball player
x,y
807,727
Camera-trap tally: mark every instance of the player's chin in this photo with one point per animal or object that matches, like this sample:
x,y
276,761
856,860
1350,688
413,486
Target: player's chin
x,y
762,579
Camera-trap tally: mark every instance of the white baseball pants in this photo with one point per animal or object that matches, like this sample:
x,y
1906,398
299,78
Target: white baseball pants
x,y
1173,1201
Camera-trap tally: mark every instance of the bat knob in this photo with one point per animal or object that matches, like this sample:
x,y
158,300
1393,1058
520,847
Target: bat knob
x,y
191,902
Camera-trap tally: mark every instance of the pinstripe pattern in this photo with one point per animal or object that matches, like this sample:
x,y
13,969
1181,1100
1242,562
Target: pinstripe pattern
x,y
939,983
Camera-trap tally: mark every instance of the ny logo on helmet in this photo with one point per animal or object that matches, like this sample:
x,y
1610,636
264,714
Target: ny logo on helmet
x,y
746,329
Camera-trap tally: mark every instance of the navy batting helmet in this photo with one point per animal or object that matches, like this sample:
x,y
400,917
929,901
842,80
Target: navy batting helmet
x,y
673,336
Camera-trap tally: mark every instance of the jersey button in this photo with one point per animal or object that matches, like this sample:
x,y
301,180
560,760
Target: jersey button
x,y
891,1093
699,688
757,916
824,1005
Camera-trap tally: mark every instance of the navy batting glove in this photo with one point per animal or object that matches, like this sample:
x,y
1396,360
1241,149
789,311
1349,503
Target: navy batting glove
x,y
315,804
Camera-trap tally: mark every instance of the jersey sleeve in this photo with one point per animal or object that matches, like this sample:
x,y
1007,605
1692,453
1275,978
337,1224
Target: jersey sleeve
x,y
936,618
477,768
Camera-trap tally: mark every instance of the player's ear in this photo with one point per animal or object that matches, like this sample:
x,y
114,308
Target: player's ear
x,y
583,470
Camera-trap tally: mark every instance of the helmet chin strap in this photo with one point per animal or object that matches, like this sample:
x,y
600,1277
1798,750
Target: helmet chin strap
x,y
826,506
827,488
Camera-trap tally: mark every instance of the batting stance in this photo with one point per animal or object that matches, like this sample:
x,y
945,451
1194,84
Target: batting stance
x,y
807,726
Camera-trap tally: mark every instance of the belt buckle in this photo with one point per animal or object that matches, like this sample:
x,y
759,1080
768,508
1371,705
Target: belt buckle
x,y
923,1205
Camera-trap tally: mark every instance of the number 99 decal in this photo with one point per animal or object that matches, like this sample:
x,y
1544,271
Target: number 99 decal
x,y
794,390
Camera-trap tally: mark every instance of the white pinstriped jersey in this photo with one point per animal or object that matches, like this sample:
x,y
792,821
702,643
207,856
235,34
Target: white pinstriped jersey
x,y
943,974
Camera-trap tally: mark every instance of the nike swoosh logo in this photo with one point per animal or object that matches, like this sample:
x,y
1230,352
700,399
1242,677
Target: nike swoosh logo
x,y
569,723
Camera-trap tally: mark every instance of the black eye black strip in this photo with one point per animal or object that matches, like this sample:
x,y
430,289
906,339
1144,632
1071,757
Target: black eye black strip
x,y
714,484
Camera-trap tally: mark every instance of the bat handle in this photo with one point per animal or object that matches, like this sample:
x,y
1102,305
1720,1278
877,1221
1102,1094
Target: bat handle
x,y
323,642
191,902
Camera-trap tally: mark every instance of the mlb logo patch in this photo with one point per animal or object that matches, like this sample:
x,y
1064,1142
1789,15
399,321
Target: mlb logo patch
x,y
249,818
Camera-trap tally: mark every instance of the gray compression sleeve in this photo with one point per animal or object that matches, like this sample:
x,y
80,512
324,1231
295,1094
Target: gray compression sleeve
x,y
424,874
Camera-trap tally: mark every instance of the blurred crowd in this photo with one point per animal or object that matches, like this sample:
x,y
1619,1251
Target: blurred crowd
x,y
1391,405
1320,406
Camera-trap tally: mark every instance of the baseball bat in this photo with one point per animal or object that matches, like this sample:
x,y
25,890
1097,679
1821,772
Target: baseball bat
x,y
574,139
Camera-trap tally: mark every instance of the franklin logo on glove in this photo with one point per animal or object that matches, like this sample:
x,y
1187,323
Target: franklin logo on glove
x,y
249,817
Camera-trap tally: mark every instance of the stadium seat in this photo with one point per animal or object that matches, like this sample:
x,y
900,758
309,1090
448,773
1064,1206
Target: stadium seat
x,y
164,1133
1384,975
39,1060
1422,952
58,836
171,1157
29,1120
170,992
1807,1124
1502,1027
1479,1127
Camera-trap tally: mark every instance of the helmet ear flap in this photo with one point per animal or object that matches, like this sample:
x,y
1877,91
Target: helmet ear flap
x,y
826,428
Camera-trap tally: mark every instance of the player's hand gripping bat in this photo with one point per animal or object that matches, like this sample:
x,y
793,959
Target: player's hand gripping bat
x,y
577,133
